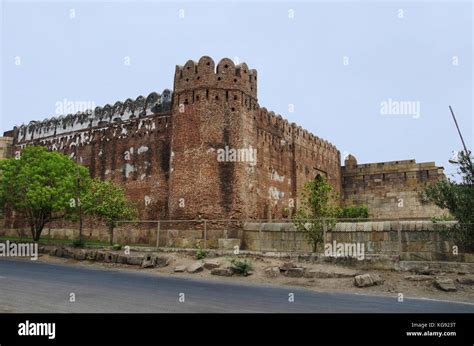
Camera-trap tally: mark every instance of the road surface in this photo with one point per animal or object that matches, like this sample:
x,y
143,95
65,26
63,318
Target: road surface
x,y
32,286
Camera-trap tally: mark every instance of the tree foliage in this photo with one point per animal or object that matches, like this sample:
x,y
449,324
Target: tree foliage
x,y
318,211
41,186
108,202
458,198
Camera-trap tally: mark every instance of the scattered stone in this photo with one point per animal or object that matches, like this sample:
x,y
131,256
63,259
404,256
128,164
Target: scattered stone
x,y
419,278
180,269
122,259
209,265
135,260
287,266
272,272
100,256
110,257
295,272
366,280
160,261
91,255
222,271
445,284
466,280
337,273
67,253
195,267
422,270
151,260
80,255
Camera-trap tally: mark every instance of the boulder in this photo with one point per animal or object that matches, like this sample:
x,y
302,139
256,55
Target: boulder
x,y
222,271
152,260
295,272
68,253
422,270
196,267
419,278
122,259
100,256
134,260
91,255
209,265
445,284
160,261
366,280
467,280
110,257
286,266
330,273
80,255
272,272
180,269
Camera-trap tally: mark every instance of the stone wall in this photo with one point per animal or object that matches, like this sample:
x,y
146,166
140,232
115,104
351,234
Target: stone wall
x,y
390,189
5,147
412,240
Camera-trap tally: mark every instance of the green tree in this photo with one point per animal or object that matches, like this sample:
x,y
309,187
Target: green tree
x,y
41,186
458,198
318,211
108,202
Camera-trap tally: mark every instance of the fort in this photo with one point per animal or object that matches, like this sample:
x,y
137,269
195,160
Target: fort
x,y
164,149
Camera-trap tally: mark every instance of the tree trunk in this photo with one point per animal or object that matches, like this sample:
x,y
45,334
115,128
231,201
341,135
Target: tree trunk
x,y
111,232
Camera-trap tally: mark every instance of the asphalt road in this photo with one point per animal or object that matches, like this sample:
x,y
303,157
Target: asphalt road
x,y
30,286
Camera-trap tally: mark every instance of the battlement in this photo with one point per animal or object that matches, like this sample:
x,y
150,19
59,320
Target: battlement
x,y
205,74
101,116
351,167
292,133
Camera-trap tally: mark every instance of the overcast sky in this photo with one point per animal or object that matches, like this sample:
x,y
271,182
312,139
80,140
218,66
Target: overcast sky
x,y
344,67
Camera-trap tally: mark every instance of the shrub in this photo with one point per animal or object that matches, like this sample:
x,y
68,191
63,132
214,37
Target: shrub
x,y
117,247
78,243
444,217
200,254
360,211
241,266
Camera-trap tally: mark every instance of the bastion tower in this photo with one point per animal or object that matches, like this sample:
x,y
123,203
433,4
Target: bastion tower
x,y
211,107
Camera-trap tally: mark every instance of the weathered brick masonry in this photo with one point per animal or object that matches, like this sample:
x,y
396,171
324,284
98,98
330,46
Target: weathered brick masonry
x,y
165,149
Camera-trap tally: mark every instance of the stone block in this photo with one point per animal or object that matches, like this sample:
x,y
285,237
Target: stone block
x,y
228,244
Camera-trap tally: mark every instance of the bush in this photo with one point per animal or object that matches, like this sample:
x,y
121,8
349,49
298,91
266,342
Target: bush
x,y
117,247
444,217
78,243
242,267
360,211
200,254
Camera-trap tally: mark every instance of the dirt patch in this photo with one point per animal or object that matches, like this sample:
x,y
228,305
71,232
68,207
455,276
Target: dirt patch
x,y
323,278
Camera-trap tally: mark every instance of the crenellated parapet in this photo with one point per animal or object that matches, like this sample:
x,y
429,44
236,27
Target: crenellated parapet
x,y
276,125
205,74
130,109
